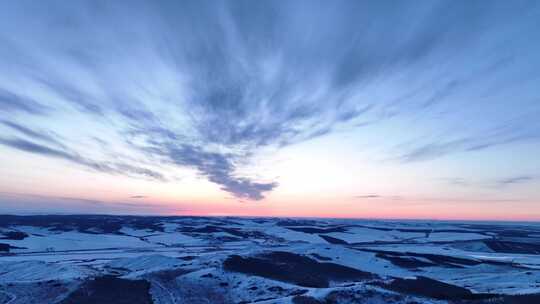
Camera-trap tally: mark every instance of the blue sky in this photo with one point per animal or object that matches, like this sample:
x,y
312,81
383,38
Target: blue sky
x,y
343,108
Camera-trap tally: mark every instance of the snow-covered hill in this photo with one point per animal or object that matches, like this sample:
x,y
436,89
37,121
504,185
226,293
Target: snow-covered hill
x,y
71,259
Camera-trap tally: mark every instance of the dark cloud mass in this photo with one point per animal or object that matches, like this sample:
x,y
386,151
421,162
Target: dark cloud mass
x,y
206,85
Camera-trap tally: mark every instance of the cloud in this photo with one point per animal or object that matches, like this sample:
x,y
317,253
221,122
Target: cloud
x,y
108,167
414,199
457,181
138,196
218,168
34,204
207,86
10,102
31,133
515,180
71,94
491,183
368,196
28,146
525,128
172,148
377,196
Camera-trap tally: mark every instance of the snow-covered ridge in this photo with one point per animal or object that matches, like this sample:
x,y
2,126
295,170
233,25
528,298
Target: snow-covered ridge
x,y
180,256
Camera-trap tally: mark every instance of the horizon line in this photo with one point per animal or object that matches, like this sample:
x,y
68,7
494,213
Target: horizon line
x,y
293,217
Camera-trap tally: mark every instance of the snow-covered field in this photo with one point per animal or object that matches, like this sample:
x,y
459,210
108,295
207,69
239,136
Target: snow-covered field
x,y
63,259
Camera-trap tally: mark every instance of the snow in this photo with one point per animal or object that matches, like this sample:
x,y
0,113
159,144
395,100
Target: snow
x,y
140,253
294,236
73,240
452,236
366,235
144,264
173,239
30,271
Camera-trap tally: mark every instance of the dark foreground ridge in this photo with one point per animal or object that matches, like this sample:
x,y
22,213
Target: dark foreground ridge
x,y
513,247
294,268
111,290
434,289
94,224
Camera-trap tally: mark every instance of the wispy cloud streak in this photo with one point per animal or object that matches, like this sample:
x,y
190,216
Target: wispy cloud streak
x,y
208,85
108,167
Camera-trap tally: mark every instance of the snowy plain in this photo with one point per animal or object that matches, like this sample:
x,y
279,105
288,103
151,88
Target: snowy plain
x,y
50,259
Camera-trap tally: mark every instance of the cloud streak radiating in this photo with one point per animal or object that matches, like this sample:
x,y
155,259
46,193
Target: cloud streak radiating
x,y
208,86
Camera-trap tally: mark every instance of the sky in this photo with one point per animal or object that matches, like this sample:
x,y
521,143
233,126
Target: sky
x,y
355,109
